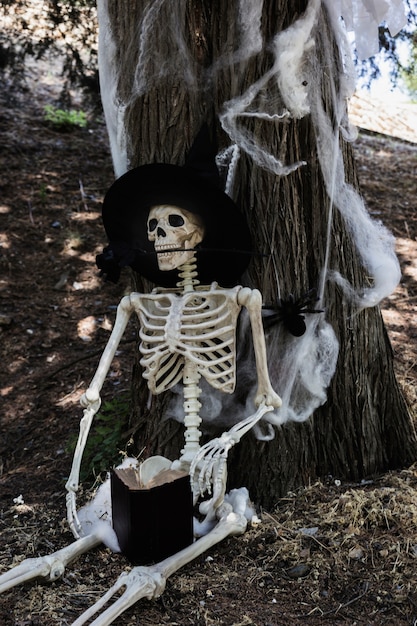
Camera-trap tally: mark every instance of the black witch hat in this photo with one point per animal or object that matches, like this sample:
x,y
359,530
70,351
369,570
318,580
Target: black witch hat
x,y
225,250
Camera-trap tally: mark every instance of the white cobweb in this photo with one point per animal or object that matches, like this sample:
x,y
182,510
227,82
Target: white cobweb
x,y
290,88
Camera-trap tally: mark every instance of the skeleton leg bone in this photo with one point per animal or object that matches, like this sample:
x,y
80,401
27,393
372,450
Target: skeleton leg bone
x,y
50,567
149,582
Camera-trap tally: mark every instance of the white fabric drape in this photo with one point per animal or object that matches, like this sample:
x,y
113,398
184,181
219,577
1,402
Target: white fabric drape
x,y
362,17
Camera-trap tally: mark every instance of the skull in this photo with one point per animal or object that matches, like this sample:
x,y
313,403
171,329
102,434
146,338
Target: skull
x,y
175,233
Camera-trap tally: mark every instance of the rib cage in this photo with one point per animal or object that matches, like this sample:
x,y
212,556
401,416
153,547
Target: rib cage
x,y
198,327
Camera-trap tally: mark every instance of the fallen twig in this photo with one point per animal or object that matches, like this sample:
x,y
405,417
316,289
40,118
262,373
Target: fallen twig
x,y
83,195
340,607
86,357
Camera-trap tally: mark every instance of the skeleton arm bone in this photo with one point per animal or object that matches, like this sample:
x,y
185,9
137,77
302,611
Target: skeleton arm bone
x,y
91,402
252,300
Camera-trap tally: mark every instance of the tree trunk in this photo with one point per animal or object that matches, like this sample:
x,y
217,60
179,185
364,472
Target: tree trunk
x,y
364,427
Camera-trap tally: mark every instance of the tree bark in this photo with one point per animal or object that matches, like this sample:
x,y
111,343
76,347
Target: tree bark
x,y
364,428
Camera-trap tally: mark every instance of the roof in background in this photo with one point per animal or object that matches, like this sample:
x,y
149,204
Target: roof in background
x,y
387,117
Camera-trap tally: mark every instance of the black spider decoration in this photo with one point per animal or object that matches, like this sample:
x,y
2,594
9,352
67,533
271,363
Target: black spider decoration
x,y
291,312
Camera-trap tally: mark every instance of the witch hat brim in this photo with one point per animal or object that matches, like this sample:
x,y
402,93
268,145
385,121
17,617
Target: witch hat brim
x,y
225,251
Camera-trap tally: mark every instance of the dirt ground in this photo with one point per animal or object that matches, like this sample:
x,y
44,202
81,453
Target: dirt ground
x,y
333,553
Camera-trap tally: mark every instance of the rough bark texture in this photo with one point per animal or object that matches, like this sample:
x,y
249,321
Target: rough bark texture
x,y
364,428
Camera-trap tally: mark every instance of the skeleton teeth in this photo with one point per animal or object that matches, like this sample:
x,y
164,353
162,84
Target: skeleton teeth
x,y
166,249
166,246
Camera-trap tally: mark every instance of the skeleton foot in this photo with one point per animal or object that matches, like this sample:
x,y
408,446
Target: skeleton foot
x,y
149,582
50,567
140,582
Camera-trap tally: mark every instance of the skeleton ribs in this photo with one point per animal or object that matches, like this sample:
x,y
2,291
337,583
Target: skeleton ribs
x,y
199,327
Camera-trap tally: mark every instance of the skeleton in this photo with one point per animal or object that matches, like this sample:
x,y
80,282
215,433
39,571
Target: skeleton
x,y
186,333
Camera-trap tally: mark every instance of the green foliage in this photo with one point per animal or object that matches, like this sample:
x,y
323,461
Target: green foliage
x,y
410,82
107,439
43,193
409,70
63,120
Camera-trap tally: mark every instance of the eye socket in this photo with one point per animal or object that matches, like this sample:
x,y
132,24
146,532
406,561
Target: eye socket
x,y
152,224
175,220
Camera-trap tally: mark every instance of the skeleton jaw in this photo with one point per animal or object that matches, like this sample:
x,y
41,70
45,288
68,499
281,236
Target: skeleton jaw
x,y
170,258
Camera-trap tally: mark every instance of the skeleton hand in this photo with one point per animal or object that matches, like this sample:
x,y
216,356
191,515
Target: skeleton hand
x,y
72,517
210,463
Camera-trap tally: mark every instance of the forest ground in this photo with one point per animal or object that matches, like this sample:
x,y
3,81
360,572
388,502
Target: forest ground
x,y
331,553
